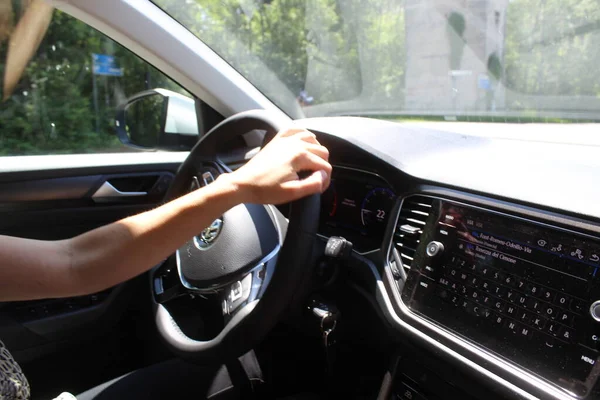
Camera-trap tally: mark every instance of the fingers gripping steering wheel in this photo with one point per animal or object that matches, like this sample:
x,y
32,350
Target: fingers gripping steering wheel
x,y
251,259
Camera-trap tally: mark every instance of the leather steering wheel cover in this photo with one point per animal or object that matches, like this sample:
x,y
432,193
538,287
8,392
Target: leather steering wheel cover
x,y
250,324
207,146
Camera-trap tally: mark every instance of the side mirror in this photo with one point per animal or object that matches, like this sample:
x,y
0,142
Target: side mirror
x,y
158,119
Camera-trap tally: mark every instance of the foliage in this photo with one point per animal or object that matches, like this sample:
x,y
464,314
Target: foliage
x,y
52,109
553,48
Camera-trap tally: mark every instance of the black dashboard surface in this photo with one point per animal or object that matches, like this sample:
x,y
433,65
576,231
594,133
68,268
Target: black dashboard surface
x,y
542,173
547,181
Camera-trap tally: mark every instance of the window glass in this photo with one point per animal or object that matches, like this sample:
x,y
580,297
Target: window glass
x,y
409,60
62,81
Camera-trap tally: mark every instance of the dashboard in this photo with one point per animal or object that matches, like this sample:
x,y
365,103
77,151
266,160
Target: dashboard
x,y
482,249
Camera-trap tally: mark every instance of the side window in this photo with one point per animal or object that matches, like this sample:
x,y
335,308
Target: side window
x,y
62,82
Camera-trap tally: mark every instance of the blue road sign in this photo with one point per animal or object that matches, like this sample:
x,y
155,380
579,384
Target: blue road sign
x,y
483,82
103,64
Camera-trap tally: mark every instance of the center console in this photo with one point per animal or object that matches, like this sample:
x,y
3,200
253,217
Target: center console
x,y
521,290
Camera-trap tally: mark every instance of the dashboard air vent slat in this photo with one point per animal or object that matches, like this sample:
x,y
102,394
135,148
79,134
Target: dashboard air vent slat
x,y
413,217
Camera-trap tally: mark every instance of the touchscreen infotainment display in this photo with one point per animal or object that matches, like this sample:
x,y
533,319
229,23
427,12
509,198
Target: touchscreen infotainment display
x,y
522,289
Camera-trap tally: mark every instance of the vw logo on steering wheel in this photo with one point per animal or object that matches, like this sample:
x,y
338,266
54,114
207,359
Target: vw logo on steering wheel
x,y
209,235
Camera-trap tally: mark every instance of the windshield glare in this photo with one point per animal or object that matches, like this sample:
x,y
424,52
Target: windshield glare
x,y
482,60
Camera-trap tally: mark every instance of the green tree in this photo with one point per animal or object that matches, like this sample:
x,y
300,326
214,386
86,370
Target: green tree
x,y
52,109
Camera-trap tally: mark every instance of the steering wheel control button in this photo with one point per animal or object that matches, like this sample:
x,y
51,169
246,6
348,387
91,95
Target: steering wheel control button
x,y
238,293
595,310
207,178
434,248
195,184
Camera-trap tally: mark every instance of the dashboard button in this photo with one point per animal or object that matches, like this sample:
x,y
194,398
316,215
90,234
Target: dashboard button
x,y
511,296
475,280
511,310
457,287
520,284
552,328
521,300
499,305
434,248
562,300
512,325
549,311
595,310
498,291
576,306
533,289
444,282
565,317
533,304
424,287
498,319
405,392
550,343
582,362
557,247
547,294
475,295
525,331
565,333
509,280
499,276
487,300
525,316
454,299
485,285
538,322
463,276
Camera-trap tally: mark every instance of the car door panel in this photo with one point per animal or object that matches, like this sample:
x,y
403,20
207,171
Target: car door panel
x,y
56,200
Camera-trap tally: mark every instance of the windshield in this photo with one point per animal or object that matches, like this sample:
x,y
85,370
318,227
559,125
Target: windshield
x,y
478,60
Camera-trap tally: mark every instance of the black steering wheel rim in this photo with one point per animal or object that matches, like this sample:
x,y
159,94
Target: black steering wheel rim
x,y
249,325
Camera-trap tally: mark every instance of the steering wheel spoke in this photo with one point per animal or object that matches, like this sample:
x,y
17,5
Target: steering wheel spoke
x,y
166,285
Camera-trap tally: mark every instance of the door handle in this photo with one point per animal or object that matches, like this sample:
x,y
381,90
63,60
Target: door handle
x,y
108,193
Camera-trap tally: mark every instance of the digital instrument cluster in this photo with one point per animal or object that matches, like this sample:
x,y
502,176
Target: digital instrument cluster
x,y
356,206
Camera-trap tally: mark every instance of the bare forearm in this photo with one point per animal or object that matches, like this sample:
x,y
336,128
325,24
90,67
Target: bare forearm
x,y
114,253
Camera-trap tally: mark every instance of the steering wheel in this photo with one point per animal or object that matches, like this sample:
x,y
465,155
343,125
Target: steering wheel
x,y
251,259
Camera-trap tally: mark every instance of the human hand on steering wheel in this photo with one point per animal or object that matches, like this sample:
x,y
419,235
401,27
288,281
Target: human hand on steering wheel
x,y
272,176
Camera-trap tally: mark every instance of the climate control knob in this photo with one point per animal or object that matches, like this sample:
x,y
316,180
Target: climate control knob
x,y
595,310
435,248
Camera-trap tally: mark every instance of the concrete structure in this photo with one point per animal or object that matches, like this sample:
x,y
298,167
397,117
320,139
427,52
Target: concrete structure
x,y
449,45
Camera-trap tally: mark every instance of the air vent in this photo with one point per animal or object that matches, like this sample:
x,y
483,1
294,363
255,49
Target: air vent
x,y
413,216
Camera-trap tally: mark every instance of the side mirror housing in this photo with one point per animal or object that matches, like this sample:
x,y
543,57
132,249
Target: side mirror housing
x,y
158,119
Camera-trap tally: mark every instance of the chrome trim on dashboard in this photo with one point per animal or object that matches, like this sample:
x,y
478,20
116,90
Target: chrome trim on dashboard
x,y
511,368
